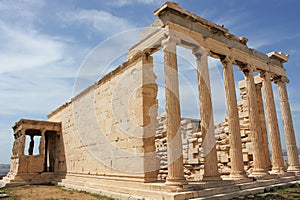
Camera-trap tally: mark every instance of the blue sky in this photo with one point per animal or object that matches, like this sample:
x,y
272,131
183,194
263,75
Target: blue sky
x,y
45,42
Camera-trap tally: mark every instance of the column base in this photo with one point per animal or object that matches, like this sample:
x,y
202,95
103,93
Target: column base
x,y
278,170
259,173
176,181
269,168
211,178
237,175
293,169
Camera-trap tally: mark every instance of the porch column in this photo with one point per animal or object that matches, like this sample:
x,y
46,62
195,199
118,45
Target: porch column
x,y
255,130
42,143
206,114
237,163
263,126
277,157
173,117
289,134
22,142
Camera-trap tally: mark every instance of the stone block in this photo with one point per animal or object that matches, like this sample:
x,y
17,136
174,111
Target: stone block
x,y
245,157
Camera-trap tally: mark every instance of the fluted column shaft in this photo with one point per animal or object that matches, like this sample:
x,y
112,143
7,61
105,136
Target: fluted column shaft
x,y
277,157
173,118
236,156
289,134
206,114
263,127
256,136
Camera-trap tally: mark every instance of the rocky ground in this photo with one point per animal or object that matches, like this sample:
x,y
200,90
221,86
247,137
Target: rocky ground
x,y
47,192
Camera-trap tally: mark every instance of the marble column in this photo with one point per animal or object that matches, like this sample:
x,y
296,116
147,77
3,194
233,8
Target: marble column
x,y
255,130
22,142
289,134
206,114
173,117
277,157
42,143
263,126
236,156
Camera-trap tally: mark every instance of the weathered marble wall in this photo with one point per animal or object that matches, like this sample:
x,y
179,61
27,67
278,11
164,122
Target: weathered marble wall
x,y
106,128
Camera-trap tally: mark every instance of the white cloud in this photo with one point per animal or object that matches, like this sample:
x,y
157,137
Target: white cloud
x,y
100,21
37,69
21,12
27,48
230,21
265,36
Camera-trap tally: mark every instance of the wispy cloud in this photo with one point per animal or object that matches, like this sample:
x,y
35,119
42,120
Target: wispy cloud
x,y
264,36
36,72
101,21
20,12
27,48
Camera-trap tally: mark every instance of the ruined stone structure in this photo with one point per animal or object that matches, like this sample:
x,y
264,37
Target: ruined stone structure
x,y
45,166
104,140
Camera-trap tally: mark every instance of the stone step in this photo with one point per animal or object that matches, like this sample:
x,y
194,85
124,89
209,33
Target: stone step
x,y
3,196
123,183
201,190
2,184
210,184
243,192
225,196
265,182
153,186
148,190
133,192
123,193
289,178
217,190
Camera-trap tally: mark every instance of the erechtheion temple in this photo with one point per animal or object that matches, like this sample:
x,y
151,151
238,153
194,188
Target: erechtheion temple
x,y
110,139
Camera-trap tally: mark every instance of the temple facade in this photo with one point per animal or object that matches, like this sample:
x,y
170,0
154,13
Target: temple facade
x,y
107,139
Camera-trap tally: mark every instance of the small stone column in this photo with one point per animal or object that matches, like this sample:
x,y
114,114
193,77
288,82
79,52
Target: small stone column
x,y
237,164
277,157
22,142
173,117
42,143
289,134
206,114
263,126
256,136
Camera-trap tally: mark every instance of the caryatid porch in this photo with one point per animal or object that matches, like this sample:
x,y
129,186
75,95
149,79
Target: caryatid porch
x,y
192,33
32,158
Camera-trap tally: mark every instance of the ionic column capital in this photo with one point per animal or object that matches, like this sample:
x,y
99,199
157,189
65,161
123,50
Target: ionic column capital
x,y
247,68
43,131
170,43
264,74
283,79
199,52
23,132
226,61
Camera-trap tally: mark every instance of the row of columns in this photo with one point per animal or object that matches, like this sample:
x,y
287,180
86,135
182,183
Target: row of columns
x,y
173,119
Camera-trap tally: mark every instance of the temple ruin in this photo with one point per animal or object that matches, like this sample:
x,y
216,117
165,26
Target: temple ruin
x,y
109,139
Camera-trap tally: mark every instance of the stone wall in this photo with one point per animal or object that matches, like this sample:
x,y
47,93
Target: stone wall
x,y
106,128
191,139
190,131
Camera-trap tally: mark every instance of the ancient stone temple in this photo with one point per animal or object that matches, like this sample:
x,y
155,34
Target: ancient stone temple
x,y
110,140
